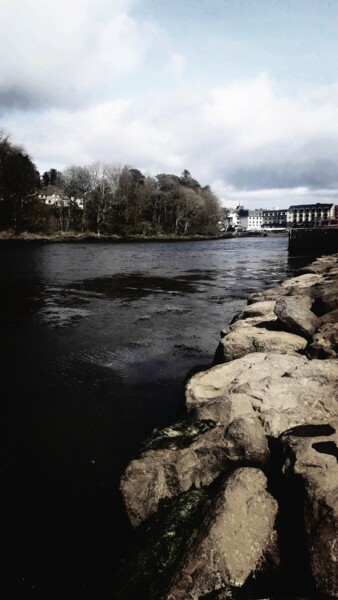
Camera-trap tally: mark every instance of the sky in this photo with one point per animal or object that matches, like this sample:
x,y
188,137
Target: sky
x,y
241,93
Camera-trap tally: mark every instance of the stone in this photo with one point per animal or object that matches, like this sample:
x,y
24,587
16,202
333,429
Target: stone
x,y
158,548
320,266
296,316
325,297
282,390
300,283
300,286
330,317
233,539
269,295
325,341
257,309
246,442
245,340
314,459
160,474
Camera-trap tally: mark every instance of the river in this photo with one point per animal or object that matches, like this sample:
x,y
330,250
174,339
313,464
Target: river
x,y
97,341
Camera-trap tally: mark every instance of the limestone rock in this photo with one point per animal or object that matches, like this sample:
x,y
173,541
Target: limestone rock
x,y
325,341
330,317
320,265
300,286
314,459
281,390
246,442
165,473
296,316
301,283
325,296
268,320
239,342
269,295
257,309
236,534
160,474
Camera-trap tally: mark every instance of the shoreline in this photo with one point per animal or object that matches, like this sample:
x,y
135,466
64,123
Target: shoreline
x,y
8,237
260,431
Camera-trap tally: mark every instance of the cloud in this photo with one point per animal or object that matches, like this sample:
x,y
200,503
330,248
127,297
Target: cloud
x,y
68,53
176,65
315,173
246,139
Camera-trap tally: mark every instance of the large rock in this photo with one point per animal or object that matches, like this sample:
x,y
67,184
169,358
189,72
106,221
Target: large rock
x,y
320,265
235,536
281,390
160,474
257,309
325,341
300,286
165,473
296,316
314,459
245,340
330,317
268,321
269,295
246,442
325,296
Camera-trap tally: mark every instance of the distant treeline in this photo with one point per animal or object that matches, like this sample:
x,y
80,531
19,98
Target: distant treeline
x,y
101,198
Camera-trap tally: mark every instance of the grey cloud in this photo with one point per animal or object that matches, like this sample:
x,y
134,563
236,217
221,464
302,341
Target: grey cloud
x,y
313,174
16,97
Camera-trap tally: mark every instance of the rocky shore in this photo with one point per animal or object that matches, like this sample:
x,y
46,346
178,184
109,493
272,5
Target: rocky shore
x,y
240,498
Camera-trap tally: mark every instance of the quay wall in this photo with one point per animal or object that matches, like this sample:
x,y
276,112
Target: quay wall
x,y
313,241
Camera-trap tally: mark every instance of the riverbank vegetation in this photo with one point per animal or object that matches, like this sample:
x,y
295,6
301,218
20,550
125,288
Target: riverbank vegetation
x,y
100,199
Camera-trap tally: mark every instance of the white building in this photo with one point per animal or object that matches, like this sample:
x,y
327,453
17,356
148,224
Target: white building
x,y
56,199
255,219
309,215
232,219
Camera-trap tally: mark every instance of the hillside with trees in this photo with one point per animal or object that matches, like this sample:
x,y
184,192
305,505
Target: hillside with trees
x,y
19,182
103,198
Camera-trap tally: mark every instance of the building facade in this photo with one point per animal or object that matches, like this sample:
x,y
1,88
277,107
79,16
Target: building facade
x,y
255,219
274,219
309,215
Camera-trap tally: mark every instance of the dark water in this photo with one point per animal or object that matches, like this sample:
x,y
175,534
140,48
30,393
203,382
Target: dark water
x,y
97,342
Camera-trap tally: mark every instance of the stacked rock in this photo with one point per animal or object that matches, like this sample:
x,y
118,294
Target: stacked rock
x,y
261,424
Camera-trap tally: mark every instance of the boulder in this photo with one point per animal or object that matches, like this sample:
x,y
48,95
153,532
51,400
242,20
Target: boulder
x,y
314,459
246,442
325,341
235,536
325,297
300,286
248,339
268,321
269,295
257,309
321,265
301,283
330,317
166,473
158,547
296,315
160,474
281,390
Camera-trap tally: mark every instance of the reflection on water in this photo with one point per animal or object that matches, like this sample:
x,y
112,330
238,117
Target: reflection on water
x,y
98,341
